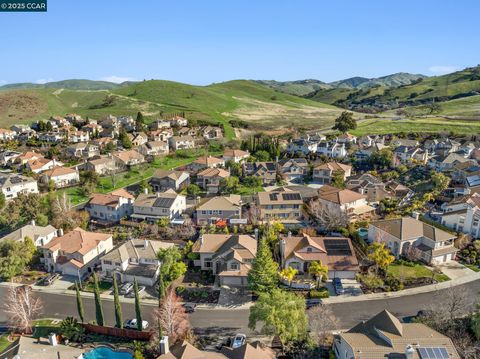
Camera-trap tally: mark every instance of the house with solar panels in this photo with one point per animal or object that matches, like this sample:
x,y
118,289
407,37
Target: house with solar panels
x,y
151,207
285,207
384,336
12,184
335,252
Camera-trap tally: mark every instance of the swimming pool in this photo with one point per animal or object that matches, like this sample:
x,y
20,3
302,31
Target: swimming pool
x,y
105,353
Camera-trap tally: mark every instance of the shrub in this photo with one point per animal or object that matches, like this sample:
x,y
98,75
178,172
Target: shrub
x,y
371,281
394,284
180,289
321,293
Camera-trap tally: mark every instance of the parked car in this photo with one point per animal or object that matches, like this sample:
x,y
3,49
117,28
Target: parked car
x,y
337,284
131,294
49,279
239,340
189,307
132,324
126,288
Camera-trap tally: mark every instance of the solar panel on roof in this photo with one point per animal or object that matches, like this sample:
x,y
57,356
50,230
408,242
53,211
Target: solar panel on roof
x,y
337,247
433,353
273,196
163,202
291,196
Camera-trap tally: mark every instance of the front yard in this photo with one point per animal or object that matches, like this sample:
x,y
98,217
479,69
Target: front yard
x,y
413,271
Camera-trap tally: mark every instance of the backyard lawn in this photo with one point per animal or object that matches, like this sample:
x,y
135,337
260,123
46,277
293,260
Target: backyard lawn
x,y
4,343
398,270
43,327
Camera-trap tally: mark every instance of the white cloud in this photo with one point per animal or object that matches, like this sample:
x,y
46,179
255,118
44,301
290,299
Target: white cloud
x,y
443,69
43,81
3,82
117,79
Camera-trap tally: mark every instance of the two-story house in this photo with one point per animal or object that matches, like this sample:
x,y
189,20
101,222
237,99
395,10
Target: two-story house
x,y
293,169
154,148
103,166
283,206
125,159
62,176
344,201
181,142
229,256
266,171
236,156
38,234
12,184
462,214
77,252
220,208
151,207
406,235
135,259
163,180
210,179
206,162
325,172
110,207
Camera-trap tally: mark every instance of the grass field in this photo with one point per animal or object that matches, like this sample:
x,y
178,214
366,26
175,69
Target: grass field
x,y
385,125
4,343
417,271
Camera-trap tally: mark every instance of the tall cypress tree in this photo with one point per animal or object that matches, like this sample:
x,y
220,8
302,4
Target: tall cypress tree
x,y
138,311
161,289
118,307
80,311
263,276
98,301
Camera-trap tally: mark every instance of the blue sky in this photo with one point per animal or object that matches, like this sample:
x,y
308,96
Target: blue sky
x,y
205,41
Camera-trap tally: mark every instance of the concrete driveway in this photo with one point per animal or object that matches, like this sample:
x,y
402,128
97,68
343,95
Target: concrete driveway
x,y
63,282
351,288
455,270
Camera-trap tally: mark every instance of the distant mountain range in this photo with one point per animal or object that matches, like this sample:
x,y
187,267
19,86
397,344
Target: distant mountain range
x,y
306,87
74,84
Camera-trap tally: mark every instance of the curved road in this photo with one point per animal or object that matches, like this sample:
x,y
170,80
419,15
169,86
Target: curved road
x,y
230,321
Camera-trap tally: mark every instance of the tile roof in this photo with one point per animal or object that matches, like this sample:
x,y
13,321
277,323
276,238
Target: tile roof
x,y
77,240
211,243
214,172
333,166
60,171
406,228
136,248
224,203
339,196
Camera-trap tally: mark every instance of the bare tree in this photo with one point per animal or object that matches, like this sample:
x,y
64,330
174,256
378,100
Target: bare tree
x,y
65,216
171,318
322,322
328,219
22,307
253,214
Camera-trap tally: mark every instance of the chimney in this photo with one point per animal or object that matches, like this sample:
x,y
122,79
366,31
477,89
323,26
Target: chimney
x,y
145,190
256,234
289,234
164,349
201,239
409,351
158,194
32,222
145,243
416,215
60,232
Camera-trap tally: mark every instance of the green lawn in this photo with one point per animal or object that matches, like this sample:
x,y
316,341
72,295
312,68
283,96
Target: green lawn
x,y
398,270
473,267
43,327
384,126
245,191
4,343
102,285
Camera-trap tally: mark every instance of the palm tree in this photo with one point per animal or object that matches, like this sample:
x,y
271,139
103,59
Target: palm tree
x,y
289,273
319,271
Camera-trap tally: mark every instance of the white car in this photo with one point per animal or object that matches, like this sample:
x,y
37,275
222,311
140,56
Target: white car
x,y
132,324
239,340
126,288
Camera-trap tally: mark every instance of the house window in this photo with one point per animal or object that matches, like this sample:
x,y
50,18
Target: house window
x,y
108,262
234,266
208,264
309,250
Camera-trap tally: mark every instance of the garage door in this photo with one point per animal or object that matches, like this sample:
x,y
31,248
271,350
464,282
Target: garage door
x,y
231,281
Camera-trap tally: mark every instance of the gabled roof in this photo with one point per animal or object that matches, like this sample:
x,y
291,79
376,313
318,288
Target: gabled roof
x,y
77,240
214,172
60,171
333,166
159,199
29,230
384,321
212,243
13,179
136,248
235,153
339,196
407,228
110,199
223,203
208,161
274,197
174,175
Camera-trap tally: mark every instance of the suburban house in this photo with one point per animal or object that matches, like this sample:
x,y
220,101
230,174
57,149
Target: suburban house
x,y
218,209
293,169
462,214
110,207
125,159
42,164
228,256
210,179
23,158
409,236
163,180
211,132
153,206
102,166
92,128
384,336
78,136
284,206
139,139
181,142
370,186
346,138
206,162
302,145
179,121
185,350
62,176
7,135
404,154
236,156
77,252
38,234
332,149
7,157
83,150
462,170
13,184
344,201
325,172
159,125
446,163
188,131
53,137
397,142
336,253
160,135
267,171
135,259
154,148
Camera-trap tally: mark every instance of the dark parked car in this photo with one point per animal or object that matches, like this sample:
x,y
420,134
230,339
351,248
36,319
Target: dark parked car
x,y
337,284
189,307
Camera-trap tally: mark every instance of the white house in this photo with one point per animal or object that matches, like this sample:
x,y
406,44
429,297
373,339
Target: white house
x,y
13,184
38,234
302,146
62,176
463,215
154,206
344,201
110,207
236,156
134,259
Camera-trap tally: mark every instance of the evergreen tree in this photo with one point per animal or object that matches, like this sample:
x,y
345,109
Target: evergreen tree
x,y
345,122
81,313
263,277
138,311
118,307
140,122
98,301
161,289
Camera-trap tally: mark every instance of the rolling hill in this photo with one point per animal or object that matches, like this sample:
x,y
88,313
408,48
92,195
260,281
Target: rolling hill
x,y
297,88
260,107
74,84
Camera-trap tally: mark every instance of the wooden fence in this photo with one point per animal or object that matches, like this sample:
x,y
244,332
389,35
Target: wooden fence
x,y
117,332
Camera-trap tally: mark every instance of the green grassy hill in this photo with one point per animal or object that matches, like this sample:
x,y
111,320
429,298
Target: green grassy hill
x,y
73,84
297,88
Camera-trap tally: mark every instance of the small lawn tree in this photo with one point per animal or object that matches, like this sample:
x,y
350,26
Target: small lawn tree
x,y
380,255
118,306
289,274
98,301
319,271
81,313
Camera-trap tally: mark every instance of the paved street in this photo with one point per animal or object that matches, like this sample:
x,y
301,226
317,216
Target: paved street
x,y
230,321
